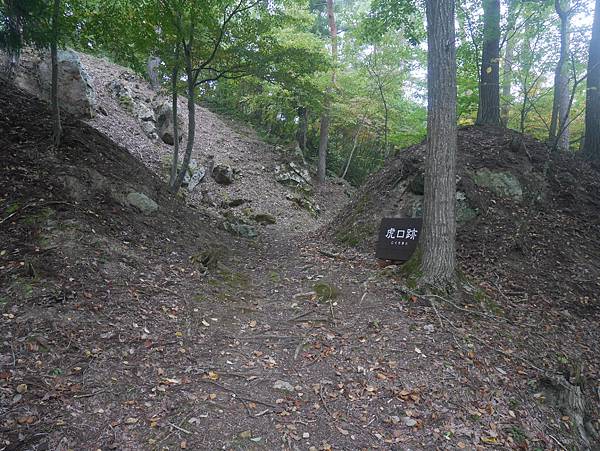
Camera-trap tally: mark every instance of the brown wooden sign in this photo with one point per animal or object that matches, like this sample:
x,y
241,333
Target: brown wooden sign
x,y
398,238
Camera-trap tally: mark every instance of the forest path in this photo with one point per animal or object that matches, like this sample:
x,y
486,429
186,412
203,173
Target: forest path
x,y
304,349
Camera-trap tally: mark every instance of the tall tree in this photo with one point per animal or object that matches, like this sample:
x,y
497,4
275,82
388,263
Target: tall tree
x,y
43,24
559,129
202,30
439,231
56,125
489,85
326,115
509,51
13,14
591,144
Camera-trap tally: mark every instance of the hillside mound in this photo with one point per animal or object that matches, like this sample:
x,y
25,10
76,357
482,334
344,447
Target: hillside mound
x,y
528,218
86,233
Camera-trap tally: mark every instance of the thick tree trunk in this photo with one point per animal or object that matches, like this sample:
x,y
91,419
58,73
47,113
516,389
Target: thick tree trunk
x,y
439,232
56,125
507,82
174,79
591,145
325,116
507,75
191,99
559,129
489,87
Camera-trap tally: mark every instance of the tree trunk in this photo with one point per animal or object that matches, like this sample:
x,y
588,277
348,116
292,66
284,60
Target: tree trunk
x,y
489,87
191,99
323,141
507,82
56,125
591,145
559,130
386,115
325,116
14,36
507,75
174,79
354,143
439,231
302,134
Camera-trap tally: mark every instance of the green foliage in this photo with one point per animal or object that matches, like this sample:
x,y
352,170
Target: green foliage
x,y
29,22
403,15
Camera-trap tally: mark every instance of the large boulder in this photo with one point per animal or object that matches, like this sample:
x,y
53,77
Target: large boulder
x,y
503,184
294,176
142,202
164,123
223,174
75,88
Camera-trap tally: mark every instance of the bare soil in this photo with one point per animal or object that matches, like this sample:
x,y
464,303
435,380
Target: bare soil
x,y
116,336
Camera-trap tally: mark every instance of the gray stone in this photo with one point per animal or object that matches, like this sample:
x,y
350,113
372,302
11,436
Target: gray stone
x,y
149,129
408,421
283,386
192,166
75,87
413,207
143,112
501,183
417,184
196,178
236,202
142,202
243,230
305,203
164,123
264,218
464,212
153,69
294,176
223,174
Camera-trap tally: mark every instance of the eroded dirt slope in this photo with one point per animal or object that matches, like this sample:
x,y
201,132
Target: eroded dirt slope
x,y
227,141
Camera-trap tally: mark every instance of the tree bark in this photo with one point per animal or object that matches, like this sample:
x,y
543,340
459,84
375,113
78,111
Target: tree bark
x,y
507,75
323,143
439,231
386,115
14,36
591,145
489,87
174,79
354,143
325,116
191,100
559,129
302,134
56,124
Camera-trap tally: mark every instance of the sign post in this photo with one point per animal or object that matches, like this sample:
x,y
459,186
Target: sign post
x,y
398,238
